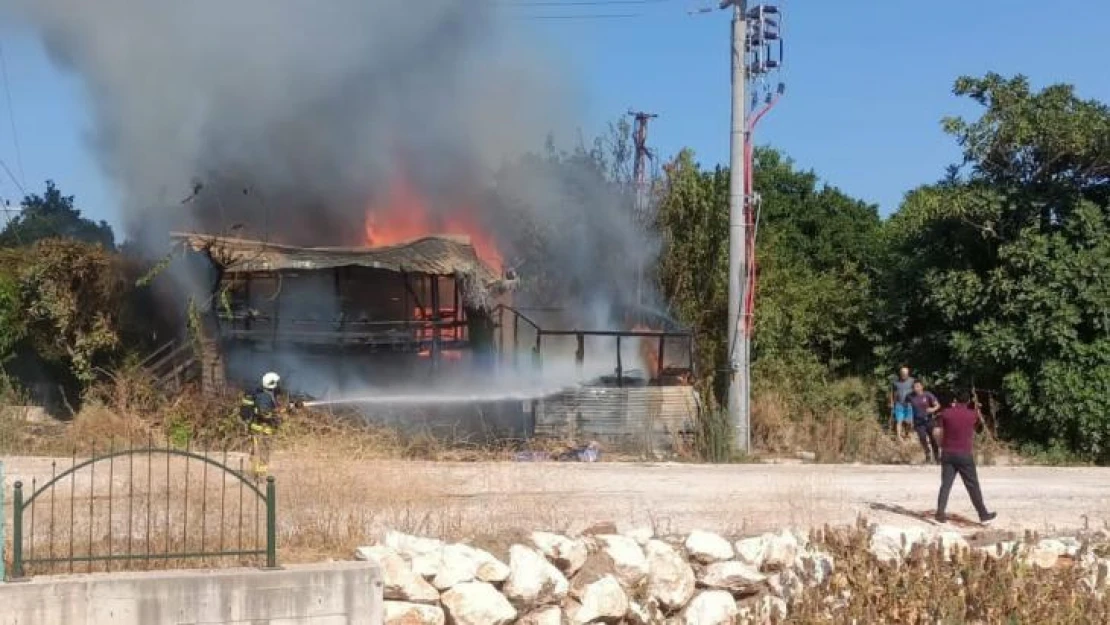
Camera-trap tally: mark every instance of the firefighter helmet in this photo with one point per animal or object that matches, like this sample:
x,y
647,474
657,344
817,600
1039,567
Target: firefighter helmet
x,y
270,381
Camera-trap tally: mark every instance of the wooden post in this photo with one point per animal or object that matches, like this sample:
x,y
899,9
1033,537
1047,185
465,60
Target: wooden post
x,y
247,321
659,365
580,353
516,338
459,316
500,337
620,365
435,322
339,301
276,319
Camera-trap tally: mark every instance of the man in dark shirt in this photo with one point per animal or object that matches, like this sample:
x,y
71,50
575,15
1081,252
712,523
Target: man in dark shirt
x,y
956,431
924,405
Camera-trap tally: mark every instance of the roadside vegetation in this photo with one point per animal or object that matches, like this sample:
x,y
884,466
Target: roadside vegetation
x,y
934,585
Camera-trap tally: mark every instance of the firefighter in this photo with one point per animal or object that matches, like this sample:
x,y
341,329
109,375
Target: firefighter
x,y
262,412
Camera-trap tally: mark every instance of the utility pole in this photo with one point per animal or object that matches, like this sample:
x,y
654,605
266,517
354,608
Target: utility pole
x,y
643,153
738,394
756,50
639,177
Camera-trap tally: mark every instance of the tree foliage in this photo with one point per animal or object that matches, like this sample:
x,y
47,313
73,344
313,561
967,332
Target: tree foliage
x,y
1003,270
693,267
816,258
53,215
73,293
818,255
13,327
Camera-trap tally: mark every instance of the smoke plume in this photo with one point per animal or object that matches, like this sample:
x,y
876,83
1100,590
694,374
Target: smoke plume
x,y
286,118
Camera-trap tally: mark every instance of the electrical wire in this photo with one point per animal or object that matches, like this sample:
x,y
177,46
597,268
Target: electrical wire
x,y
557,4
576,3
584,16
15,181
11,115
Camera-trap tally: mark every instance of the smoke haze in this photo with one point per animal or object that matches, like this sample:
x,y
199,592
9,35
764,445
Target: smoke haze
x,y
288,117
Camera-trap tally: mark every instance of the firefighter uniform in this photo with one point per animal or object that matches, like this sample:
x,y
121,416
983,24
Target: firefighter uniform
x,y
261,412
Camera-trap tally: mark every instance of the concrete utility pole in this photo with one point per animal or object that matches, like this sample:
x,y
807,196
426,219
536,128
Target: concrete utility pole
x,y
738,394
756,51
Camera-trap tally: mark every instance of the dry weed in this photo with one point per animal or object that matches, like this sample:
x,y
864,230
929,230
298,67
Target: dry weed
x,y
782,425
929,588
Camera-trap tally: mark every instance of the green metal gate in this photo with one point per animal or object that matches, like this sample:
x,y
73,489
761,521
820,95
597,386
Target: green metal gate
x,y
145,508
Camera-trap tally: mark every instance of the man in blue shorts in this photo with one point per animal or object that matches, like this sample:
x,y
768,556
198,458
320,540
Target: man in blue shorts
x,y
901,411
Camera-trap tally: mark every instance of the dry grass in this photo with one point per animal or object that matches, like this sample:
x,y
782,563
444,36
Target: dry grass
x,y
929,588
843,432
782,425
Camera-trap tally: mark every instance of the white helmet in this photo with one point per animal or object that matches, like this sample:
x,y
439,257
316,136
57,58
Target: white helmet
x,y
270,381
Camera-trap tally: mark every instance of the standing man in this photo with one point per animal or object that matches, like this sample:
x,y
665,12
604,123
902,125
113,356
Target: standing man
x,y
956,431
900,410
925,405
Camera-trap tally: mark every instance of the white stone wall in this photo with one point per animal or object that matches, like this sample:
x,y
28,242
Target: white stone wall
x,y
638,578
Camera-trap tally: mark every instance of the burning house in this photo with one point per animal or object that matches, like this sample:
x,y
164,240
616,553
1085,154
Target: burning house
x,y
418,312
390,142
429,300
430,317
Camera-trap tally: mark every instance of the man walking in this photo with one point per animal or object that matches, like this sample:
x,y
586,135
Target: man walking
x,y
900,410
956,431
925,405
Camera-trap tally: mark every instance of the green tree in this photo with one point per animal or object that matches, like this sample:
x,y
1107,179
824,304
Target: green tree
x,y
693,267
817,257
13,327
53,215
72,294
1003,275
818,253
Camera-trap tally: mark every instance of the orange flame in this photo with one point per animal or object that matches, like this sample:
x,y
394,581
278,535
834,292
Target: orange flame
x,y
405,216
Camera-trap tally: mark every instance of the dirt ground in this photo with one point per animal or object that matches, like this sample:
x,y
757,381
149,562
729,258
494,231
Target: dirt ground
x,y
461,499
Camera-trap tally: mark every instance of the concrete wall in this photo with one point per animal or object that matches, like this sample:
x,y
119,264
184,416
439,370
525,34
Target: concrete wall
x,y
331,594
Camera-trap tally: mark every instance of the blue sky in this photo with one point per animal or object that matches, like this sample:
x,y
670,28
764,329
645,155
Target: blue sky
x,y
867,84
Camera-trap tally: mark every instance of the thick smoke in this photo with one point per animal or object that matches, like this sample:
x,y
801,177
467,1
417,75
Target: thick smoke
x,y
291,113
284,119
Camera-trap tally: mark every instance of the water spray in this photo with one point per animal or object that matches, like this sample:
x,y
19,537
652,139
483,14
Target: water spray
x,y
411,399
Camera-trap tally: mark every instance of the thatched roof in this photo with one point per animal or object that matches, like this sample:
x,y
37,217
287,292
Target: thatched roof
x,y
432,255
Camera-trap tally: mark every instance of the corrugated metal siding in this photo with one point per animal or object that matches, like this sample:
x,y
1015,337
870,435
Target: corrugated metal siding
x,y
638,419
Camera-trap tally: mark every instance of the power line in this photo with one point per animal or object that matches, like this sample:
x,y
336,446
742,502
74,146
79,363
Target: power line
x,y
14,180
577,3
584,16
11,115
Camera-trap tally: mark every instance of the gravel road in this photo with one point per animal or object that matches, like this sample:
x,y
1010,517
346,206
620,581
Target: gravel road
x,y
735,499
